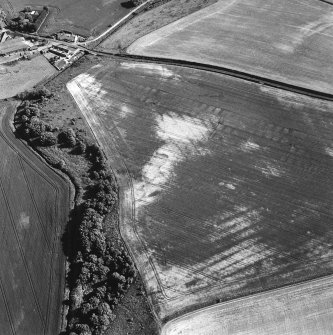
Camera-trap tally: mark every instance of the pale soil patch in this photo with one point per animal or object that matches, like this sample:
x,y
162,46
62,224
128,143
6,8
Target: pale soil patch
x,y
249,146
242,35
303,309
23,75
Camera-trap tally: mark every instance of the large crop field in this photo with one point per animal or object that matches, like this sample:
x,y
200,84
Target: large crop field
x,y
226,185
82,17
34,205
304,309
286,40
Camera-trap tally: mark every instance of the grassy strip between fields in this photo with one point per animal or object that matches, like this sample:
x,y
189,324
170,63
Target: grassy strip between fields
x,y
100,270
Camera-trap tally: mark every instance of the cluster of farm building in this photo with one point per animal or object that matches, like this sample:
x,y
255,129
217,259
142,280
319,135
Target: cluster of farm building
x,y
13,48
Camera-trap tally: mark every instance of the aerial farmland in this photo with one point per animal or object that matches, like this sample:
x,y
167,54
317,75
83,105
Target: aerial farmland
x,y
34,207
287,40
226,187
81,17
167,167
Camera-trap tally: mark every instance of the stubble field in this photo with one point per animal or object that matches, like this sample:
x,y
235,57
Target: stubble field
x,y
226,185
286,40
34,205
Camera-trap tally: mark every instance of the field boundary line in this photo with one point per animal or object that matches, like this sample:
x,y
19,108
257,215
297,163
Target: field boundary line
x,y
327,2
264,81
247,297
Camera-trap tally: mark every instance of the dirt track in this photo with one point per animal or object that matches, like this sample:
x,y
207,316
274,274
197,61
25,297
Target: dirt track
x,y
35,210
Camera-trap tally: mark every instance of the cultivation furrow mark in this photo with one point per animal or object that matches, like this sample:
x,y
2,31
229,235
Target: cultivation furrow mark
x,y
224,234
298,163
273,223
171,102
167,109
293,136
243,282
56,189
33,166
9,314
315,167
129,182
136,87
215,275
183,261
276,222
264,126
201,226
22,254
242,75
260,189
168,89
53,253
236,283
34,202
254,186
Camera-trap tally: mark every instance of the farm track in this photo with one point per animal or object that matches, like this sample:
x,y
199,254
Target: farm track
x,y
26,157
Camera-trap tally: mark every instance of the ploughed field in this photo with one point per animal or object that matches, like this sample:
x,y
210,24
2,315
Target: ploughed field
x,y
226,184
34,207
82,17
285,40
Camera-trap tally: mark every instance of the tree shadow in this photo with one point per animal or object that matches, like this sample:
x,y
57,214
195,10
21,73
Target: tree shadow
x,y
127,4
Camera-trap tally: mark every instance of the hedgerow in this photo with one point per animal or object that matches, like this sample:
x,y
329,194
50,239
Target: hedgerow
x,y
100,270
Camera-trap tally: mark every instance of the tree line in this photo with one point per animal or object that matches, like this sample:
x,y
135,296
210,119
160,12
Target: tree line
x,y
100,270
